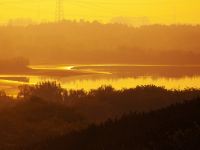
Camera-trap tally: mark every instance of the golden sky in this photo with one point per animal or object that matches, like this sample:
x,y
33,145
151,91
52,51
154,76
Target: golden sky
x,y
157,11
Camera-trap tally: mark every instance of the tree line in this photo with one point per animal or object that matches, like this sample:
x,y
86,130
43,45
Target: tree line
x,y
101,117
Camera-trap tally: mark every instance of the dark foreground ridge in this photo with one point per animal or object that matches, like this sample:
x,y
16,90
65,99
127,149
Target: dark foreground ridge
x,y
173,128
47,117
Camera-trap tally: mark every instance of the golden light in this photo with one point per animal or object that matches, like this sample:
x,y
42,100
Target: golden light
x,y
170,11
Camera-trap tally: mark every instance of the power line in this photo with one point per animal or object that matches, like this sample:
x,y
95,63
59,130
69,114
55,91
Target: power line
x,y
59,14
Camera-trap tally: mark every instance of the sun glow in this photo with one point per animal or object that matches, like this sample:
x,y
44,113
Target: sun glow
x,y
176,11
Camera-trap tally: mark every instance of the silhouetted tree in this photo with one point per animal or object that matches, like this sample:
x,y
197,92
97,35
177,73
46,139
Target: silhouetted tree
x,y
49,91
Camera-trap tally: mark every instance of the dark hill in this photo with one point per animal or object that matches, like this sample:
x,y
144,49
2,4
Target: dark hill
x,y
172,128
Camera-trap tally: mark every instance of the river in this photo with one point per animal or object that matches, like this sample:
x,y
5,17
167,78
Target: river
x,y
118,76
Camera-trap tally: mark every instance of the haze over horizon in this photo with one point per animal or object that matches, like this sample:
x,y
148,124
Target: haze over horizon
x,y
131,12
99,75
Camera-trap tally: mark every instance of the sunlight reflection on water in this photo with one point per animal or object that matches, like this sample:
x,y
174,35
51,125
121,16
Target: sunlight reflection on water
x,y
118,77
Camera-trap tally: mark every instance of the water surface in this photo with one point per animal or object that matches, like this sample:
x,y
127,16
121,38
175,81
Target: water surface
x,y
119,76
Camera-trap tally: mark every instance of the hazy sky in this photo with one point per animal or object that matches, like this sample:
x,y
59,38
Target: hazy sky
x,y
158,11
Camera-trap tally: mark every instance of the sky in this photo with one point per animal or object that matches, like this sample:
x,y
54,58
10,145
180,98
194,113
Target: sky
x,y
156,11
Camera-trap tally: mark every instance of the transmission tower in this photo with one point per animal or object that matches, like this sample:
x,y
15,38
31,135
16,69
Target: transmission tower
x,y
59,14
